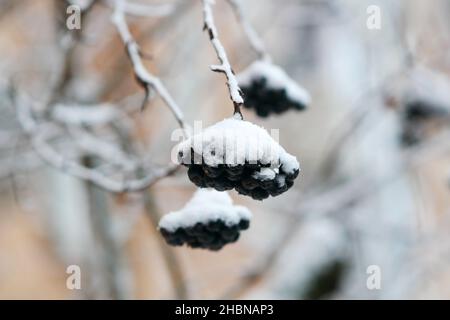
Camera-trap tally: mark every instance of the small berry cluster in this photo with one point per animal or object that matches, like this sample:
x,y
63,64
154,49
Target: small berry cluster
x,y
212,235
266,100
268,89
246,179
208,221
421,96
416,115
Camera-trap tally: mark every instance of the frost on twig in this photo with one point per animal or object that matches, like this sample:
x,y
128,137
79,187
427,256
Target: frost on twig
x,y
224,67
253,38
267,88
118,171
209,220
147,80
86,115
146,10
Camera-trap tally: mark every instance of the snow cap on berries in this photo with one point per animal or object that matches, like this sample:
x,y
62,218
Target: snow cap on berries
x,y
209,221
236,142
421,92
206,205
268,89
236,154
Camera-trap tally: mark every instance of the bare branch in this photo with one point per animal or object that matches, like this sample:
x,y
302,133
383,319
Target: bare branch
x,y
85,115
254,39
146,10
170,258
40,134
144,77
224,67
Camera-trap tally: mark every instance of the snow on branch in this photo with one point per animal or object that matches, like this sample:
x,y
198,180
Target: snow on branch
x,y
224,67
146,10
85,115
40,135
254,39
147,80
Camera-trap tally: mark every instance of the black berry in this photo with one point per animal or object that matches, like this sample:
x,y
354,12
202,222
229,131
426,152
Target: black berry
x,y
212,235
243,178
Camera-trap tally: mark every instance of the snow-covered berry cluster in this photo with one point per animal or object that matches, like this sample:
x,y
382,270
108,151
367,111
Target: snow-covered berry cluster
x,y
209,221
424,104
236,154
415,116
268,89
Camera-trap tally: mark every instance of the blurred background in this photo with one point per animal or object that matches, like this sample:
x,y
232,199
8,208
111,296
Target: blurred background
x,y
374,149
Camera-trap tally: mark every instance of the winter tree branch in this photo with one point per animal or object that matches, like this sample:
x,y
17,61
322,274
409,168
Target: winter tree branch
x,y
253,38
147,80
145,10
224,67
173,265
41,134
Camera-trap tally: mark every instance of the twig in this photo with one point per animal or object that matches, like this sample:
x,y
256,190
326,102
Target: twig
x,y
254,39
144,77
67,43
40,134
110,255
146,10
224,67
171,260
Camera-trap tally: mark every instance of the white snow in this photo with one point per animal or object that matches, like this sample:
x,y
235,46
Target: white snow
x,y
85,115
265,174
206,205
83,4
233,141
276,78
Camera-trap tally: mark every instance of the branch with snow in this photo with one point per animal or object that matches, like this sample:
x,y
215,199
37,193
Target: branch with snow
x,y
224,67
147,80
40,135
144,9
254,39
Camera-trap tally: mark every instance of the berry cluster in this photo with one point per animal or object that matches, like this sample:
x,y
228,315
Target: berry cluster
x,y
268,89
417,115
422,99
265,99
236,154
247,179
209,221
418,110
212,235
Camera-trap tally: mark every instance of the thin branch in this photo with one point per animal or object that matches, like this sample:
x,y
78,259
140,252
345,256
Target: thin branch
x,y
112,259
144,77
67,42
40,134
170,258
224,67
254,39
146,10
